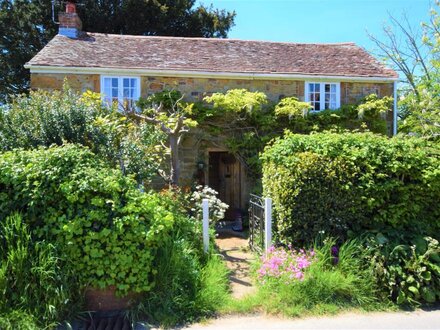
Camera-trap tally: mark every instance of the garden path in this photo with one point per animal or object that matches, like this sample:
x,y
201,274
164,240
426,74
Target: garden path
x,y
235,249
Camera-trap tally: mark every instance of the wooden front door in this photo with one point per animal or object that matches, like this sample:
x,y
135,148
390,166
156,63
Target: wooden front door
x,y
225,176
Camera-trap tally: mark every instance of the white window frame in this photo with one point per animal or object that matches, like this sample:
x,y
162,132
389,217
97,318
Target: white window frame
x,y
121,88
322,94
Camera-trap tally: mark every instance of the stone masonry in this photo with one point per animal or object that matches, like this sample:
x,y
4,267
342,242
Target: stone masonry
x,y
194,146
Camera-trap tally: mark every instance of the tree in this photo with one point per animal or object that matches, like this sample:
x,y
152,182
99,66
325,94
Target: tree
x,y
166,111
27,26
415,53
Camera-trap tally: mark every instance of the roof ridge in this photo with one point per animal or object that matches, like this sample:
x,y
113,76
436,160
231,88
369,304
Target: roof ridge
x,y
351,43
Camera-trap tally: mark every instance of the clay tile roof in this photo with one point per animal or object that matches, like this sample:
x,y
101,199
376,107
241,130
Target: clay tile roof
x,y
95,50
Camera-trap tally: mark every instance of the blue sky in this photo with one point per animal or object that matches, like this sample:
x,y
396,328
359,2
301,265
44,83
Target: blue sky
x,y
318,20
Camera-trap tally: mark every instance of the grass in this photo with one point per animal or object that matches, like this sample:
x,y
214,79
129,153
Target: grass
x,y
36,289
189,285
326,288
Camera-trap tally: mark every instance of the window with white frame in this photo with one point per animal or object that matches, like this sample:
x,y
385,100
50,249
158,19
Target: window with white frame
x,y
124,91
323,95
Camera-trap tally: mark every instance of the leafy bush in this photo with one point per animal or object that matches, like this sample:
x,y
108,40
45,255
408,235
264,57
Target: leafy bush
x,y
45,118
101,222
36,286
347,183
251,121
408,273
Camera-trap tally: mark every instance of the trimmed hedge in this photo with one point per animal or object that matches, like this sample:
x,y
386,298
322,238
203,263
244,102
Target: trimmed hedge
x,y
343,184
97,217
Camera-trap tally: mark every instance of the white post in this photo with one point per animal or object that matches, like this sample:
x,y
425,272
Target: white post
x,y
267,223
205,207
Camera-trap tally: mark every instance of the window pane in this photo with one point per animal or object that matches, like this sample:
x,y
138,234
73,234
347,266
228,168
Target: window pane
x,y
114,93
327,88
107,84
126,93
114,82
333,88
126,82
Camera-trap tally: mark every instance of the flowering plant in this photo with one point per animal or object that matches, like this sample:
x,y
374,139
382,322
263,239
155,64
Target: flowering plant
x,y
217,208
286,264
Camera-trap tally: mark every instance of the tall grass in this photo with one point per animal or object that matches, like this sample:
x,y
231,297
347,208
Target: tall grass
x,y
35,286
188,284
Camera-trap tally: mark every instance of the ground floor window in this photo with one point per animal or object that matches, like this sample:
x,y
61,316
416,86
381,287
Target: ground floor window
x,y
124,91
323,95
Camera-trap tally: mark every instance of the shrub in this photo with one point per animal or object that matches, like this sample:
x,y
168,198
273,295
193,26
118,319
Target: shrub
x,y
36,287
347,183
46,118
408,273
101,222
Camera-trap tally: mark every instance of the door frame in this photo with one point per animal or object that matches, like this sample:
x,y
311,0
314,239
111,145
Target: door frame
x,y
242,177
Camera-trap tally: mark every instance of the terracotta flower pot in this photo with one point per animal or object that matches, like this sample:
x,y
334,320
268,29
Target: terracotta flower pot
x,y
106,299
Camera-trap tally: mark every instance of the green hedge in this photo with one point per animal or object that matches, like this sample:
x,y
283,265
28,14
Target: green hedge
x,y
97,217
338,184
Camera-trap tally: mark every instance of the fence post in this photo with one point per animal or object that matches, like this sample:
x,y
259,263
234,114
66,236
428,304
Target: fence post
x,y
267,223
205,207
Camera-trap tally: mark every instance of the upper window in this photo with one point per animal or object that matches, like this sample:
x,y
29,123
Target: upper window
x,y
323,95
125,91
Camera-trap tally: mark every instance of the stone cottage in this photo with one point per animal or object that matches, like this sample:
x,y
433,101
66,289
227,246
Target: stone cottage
x,y
124,67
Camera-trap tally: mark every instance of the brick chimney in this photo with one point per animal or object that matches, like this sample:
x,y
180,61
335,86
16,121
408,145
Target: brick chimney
x,y
70,23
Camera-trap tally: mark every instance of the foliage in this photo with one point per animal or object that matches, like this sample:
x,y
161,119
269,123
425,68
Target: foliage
x,y
292,108
414,52
46,118
238,101
326,287
189,283
36,286
167,112
422,110
408,272
20,42
344,184
251,121
217,208
102,223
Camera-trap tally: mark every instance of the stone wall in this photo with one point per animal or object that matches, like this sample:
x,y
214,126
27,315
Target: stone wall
x,y
54,81
196,146
353,92
196,88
